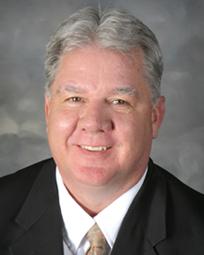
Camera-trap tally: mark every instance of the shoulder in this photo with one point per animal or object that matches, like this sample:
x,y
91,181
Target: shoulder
x,y
182,200
176,185
25,175
14,187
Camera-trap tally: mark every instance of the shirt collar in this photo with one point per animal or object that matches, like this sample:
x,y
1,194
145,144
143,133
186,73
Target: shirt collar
x,y
77,222
113,214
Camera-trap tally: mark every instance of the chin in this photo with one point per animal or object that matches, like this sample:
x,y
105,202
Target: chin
x,y
96,176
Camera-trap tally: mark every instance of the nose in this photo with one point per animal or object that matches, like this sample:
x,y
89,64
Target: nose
x,y
95,118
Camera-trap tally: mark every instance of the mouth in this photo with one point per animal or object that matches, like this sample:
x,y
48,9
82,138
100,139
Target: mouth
x,y
95,148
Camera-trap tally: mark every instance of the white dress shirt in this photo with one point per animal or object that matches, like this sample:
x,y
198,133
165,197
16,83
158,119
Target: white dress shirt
x,y
77,221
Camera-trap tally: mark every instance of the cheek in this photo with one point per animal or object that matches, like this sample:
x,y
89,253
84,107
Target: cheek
x,y
61,124
134,129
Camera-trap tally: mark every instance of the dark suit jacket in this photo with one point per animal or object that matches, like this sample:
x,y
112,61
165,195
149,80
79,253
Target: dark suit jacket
x,y
165,218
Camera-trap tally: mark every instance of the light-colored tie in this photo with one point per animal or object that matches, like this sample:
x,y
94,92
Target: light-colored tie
x,y
99,246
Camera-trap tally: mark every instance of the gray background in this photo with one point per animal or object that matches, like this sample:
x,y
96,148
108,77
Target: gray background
x,y
25,26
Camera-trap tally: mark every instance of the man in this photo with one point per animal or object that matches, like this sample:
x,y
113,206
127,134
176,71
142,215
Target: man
x,y
103,108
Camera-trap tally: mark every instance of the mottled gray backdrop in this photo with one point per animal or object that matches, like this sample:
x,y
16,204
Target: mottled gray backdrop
x,y
25,26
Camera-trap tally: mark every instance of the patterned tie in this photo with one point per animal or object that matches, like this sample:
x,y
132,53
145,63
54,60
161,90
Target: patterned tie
x,y
99,246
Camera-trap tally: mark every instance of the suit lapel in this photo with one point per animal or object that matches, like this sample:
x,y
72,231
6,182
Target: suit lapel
x,y
144,226
37,229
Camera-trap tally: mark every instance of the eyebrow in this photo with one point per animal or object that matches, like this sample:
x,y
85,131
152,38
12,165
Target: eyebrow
x,y
123,90
126,90
71,88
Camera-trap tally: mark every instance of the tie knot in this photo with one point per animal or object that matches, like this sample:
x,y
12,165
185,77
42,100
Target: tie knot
x,y
97,241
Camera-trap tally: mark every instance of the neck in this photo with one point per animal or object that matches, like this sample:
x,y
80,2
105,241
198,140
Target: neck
x,y
93,199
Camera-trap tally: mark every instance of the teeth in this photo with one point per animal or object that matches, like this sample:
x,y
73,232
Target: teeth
x,y
94,148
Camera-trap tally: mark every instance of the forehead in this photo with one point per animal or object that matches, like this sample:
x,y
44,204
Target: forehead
x,y
96,56
97,66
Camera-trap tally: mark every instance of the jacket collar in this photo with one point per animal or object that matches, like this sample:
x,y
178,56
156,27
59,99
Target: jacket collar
x,y
37,229
157,217
144,226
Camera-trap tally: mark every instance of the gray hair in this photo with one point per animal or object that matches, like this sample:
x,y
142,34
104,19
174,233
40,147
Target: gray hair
x,y
111,29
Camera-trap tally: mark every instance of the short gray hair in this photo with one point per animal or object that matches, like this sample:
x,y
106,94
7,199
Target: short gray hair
x,y
112,29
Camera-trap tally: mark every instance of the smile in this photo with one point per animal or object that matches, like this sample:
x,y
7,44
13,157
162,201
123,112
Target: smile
x,y
94,148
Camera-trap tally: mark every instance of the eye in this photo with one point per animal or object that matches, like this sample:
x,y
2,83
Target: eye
x,y
74,99
119,102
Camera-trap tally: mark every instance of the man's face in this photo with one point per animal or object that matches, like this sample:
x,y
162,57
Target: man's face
x,y
100,118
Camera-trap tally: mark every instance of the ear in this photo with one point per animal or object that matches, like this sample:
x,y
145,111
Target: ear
x,y
47,102
158,112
